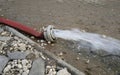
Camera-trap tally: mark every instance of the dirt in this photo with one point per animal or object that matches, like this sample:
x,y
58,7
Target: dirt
x,y
97,16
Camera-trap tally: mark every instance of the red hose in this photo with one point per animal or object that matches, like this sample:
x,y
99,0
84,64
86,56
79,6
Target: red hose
x,y
22,27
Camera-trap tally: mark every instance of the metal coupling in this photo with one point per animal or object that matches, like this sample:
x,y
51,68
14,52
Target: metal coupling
x,y
49,33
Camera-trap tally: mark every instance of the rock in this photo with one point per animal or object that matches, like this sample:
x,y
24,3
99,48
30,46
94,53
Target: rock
x,y
25,68
52,44
4,33
27,71
77,58
22,46
0,9
24,62
3,61
1,30
32,37
63,72
17,55
2,15
42,41
31,56
7,68
88,61
24,73
5,38
51,70
45,44
38,67
61,53
42,44
19,66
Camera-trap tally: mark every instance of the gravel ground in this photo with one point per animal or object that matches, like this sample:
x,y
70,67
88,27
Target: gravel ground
x,y
98,16
19,57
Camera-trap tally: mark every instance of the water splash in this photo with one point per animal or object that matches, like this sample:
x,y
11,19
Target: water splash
x,y
96,41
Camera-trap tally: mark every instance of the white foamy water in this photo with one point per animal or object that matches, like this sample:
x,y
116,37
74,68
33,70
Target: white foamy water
x,y
97,41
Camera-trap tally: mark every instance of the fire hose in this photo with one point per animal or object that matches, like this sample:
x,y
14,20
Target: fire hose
x,y
47,33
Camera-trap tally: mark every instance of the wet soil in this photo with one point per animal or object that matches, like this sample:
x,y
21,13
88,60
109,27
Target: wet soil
x,y
97,16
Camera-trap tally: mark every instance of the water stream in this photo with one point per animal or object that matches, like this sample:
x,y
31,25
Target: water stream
x,y
95,41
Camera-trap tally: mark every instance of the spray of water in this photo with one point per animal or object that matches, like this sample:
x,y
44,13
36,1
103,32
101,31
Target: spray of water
x,y
96,41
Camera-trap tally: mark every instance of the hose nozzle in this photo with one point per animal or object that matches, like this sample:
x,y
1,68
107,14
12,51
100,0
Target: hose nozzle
x,y
49,34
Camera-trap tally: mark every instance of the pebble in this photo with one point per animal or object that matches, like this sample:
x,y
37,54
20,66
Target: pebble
x,y
45,44
42,44
49,42
24,73
0,9
52,44
51,72
38,41
2,15
29,66
42,56
42,41
104,36
77,58
19,66
24,62
22,46
3,33
25,68
88,61
61,53
27,71
32,37
7,68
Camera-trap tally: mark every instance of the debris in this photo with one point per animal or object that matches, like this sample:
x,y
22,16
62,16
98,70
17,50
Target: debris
x,y
60,54
51,70
42,56
77,58
38,67
17,55
63,72
3,62
88,61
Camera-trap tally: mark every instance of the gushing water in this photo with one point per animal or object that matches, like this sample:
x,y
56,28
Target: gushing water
x,y
96,41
